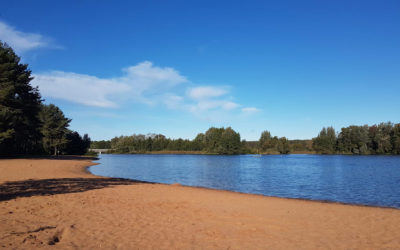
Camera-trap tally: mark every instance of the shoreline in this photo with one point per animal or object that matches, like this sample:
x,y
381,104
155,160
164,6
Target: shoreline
x,y
261,154
82,210
243,193
238,192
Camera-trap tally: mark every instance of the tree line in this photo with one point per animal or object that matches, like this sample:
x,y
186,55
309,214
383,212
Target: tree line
x,y
364,140
213,141
377,139
27,125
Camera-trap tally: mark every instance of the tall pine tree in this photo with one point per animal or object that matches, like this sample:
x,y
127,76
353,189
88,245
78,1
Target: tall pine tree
x,y
19,106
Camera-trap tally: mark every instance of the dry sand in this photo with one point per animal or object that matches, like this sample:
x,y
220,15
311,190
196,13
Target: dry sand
x,y
56,204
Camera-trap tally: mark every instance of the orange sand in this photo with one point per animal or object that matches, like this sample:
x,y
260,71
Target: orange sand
x,y
65,207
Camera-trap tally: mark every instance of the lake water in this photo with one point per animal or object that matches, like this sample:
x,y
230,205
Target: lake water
x,y
367,180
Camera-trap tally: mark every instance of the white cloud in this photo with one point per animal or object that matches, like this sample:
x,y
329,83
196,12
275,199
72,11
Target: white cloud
x,y
139,83
173,101
145,77
227,105
206,105
206,98
78,88
206,92
22,41
250,110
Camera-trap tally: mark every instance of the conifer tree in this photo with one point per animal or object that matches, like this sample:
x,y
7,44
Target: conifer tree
x,y
19,106
54,129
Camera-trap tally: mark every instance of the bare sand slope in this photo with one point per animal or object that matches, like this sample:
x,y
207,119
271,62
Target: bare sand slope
x,y
64,207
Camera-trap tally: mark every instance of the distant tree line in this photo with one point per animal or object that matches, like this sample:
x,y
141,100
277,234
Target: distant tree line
x,y
27,126
213,141
377,139
103,144
364,140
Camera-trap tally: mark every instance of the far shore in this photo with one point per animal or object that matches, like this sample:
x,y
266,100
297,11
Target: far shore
x,y
183,152
165,152
48,202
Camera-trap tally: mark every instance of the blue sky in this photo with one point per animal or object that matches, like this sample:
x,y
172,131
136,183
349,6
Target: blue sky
x,y
179,67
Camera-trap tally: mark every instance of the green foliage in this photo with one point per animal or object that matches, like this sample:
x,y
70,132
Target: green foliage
x,y
380,138
214,141
249,147
266,141
100,144
325,142
283,146
301,146
27,126
376,139
222,141
91,153
273,145
230,142
54,128
199,142
19,106
396,139
76,144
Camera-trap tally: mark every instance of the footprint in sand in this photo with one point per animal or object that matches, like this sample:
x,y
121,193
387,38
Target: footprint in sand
x,y
56,238
63,233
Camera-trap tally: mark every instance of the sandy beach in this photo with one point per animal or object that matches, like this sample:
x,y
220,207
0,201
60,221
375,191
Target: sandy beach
x,y
47,203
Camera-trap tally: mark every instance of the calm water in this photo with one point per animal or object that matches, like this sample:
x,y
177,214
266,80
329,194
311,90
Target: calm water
x,y
368,180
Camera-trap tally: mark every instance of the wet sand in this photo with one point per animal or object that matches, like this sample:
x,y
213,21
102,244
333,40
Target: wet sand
x,y
57,204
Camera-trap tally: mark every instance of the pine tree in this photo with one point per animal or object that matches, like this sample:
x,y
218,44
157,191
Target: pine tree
x,y
54,129
19,106
77,145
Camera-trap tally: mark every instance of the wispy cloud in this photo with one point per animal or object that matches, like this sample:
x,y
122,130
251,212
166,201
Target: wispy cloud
x,y
173,101
23,41
250,110
141,83
146,77
78,88
214,104
206,92
206,98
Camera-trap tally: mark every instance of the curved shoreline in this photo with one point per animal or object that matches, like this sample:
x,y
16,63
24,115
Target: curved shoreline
x,y
60,199
238,192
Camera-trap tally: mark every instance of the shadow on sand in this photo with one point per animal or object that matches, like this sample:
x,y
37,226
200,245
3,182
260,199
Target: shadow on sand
x,y
50,157
28,188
